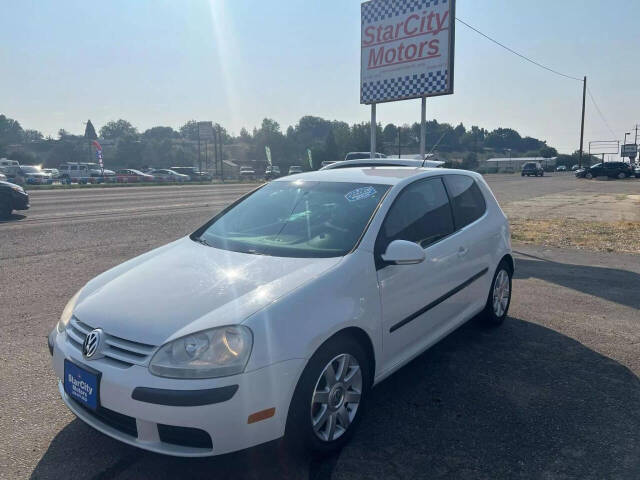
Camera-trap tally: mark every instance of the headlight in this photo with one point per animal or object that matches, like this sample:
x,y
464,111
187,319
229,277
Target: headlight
x,y
218,352
67,312
18,188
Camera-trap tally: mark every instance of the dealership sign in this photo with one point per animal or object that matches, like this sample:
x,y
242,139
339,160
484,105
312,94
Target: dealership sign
x,y
407,49
629,150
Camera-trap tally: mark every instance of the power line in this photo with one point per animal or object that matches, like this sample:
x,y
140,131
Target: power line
x,y
600,113
516,53
604,120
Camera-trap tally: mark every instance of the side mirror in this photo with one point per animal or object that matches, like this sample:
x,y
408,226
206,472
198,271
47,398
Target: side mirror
x,y
403,252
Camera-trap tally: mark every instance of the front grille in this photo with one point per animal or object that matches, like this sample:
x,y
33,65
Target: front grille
x,y
118,352
120,422
184,436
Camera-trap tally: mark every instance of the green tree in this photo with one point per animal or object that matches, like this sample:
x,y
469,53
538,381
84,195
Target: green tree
x,y
10,131
159,133
120,129
548,152
90,132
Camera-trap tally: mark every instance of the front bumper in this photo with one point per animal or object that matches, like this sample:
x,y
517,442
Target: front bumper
x,y
144,424
20,201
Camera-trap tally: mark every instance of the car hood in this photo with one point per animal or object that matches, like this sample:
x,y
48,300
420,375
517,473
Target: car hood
x,y
185,287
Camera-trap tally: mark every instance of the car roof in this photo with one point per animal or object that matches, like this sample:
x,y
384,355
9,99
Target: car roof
x,y
400,162
375,175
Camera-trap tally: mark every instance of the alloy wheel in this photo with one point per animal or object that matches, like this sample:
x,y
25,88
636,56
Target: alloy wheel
x,y
501,293
336,397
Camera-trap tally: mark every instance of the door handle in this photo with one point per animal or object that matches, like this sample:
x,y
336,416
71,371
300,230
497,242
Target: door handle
x,y
462,251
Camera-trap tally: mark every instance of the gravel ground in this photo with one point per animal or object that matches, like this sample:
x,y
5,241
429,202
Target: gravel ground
x,y
551,394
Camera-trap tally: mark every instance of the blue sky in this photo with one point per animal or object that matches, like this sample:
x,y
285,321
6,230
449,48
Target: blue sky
x,y
160,62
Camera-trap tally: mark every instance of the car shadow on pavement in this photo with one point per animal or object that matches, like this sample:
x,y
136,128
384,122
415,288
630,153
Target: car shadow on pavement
x,y
518,401
614,285
14,217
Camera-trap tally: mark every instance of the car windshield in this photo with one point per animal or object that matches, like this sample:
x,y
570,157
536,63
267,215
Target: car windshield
x,y
296,219
30,169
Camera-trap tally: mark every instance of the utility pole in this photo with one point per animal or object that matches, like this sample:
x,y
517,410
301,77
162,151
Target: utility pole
x,y
584,96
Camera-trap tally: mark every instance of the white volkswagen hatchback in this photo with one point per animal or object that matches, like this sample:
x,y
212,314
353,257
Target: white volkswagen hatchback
x,y
279,315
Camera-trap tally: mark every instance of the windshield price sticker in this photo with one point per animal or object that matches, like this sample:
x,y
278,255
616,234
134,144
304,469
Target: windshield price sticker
x,y
360,193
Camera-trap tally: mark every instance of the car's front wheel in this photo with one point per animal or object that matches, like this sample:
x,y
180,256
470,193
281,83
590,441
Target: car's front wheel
x,y
330,396
622,175
588,176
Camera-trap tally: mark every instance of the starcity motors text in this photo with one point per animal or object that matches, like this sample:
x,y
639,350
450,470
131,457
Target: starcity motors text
x,y
411,32
80,385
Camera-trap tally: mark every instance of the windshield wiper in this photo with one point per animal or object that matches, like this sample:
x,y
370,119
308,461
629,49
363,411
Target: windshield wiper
x,y
201,241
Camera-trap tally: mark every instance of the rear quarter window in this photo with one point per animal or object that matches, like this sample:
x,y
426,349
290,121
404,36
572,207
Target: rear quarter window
x,y
467,201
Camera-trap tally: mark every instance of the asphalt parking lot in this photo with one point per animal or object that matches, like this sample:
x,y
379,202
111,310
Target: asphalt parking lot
x,y
554,393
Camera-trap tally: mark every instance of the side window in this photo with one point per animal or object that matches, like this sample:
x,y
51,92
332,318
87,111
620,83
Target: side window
x,y
467,200
420,214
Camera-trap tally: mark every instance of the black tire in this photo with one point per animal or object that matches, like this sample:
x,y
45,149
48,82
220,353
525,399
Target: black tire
x,y
489,315
622,175
299,434
588,175
5,207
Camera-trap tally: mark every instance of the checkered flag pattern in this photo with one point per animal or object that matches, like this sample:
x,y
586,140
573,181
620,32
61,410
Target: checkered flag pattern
x,y
377,10
405,87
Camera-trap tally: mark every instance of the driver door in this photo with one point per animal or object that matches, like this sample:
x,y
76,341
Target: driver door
x,y
415,307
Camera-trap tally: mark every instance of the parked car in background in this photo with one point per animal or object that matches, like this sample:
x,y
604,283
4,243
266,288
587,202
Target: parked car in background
x,y
532,168
247,173
9,167
561,168
295,169
636,170
73,172
3,177
167,175
362,155
326,163
272,172
606,169
32,175
103,175
194,174
54,172
12,197
575,167
129,175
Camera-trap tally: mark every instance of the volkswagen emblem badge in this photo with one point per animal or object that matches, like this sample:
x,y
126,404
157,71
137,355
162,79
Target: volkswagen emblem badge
x,y
92,343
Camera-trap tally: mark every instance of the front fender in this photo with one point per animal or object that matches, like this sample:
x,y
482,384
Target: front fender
x,y
296,325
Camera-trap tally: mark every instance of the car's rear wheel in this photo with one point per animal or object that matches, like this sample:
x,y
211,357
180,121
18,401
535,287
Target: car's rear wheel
x,y
330,396
499,299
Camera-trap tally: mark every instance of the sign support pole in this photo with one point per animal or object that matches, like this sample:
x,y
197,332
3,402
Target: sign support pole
x,y
423,128
374,127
